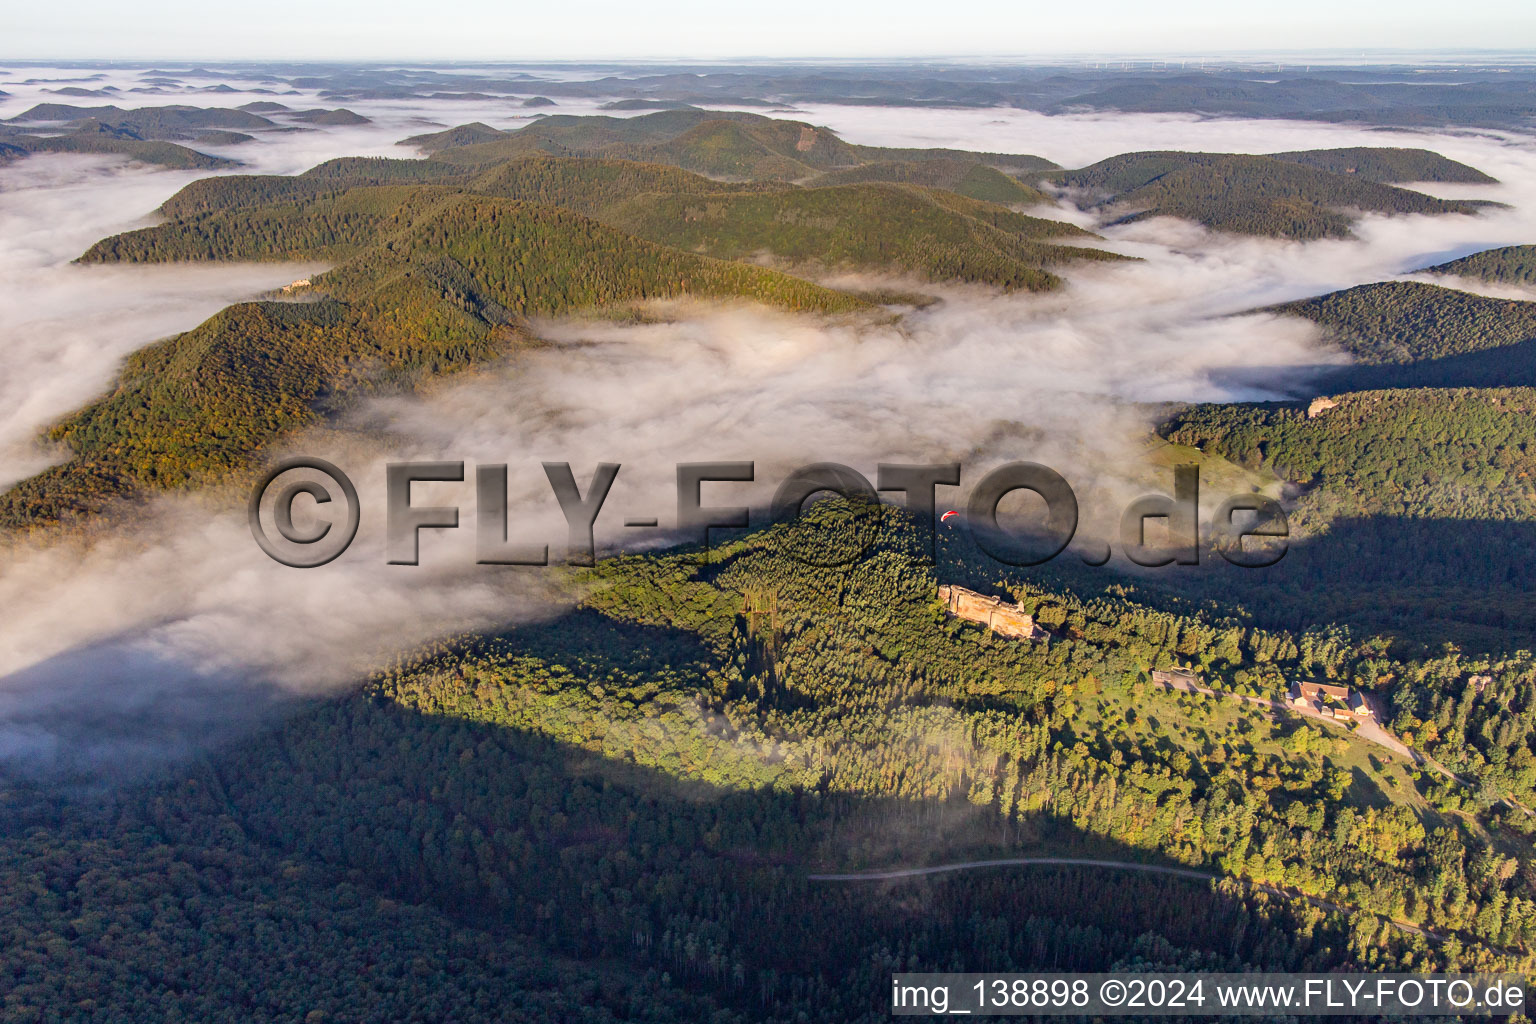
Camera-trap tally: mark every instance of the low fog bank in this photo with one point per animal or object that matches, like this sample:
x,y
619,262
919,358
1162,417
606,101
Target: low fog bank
x,y
64,328
184,625
979,379
139,648
1386,246
1076,140
302,145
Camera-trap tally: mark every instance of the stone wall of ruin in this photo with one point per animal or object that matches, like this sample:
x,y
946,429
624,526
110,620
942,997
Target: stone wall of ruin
x,y
1003,619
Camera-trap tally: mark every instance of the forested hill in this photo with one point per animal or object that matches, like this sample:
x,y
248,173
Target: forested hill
x,y
645,784
1412,334
1461,453
1512,264
179,122
722,144
16,144
171,123
1389,165
438,281
968,178
929,233
155,135
1413,511
905,229
460,255
147,134
1249,195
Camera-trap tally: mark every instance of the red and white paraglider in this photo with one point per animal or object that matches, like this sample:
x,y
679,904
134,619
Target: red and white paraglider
x,y
945,517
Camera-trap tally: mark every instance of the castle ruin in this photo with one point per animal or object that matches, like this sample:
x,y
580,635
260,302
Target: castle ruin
x,y
1001,618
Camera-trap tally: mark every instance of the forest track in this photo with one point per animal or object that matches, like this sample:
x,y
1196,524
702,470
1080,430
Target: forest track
x,y
896,874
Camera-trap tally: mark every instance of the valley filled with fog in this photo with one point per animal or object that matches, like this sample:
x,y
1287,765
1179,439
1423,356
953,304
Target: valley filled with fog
x,y
181,631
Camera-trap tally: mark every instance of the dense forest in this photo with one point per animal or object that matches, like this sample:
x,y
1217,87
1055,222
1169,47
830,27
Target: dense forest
x,y
1389,166
440,262
1410,322
1412,511
1463,453
942,236
1304,195
930,233
1411,334
1250,195
646,782
975,180
1513,264
722,144
450,287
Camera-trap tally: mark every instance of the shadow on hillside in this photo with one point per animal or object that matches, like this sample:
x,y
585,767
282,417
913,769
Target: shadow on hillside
x,y
1428,580
1506,366
603,644
119,710
503,828
1364,791
510,830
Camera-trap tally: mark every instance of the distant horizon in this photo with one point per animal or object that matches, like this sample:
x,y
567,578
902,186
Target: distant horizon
x,y
605,30
1333,56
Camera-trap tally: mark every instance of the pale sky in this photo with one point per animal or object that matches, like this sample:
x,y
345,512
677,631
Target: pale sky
x,y
705,29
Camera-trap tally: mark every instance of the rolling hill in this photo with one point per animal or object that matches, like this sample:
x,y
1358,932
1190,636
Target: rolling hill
x,y
1412,512
1411,334
339,117
151,134
1250,195
16,144
333,209
440,262
931,234
1389,165
968,178
146,134
1423,452
724,144
1512,264
168,122
436,280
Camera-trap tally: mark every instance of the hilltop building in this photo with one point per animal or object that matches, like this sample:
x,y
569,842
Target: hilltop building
x,y
1330,701
1008,620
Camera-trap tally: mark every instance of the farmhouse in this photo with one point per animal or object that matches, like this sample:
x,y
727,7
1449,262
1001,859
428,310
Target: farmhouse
x,y
1330,701
1004,619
